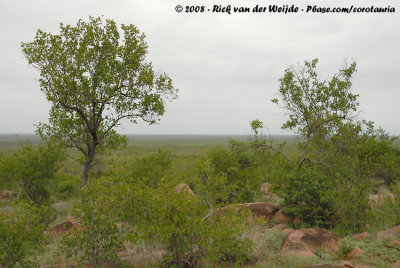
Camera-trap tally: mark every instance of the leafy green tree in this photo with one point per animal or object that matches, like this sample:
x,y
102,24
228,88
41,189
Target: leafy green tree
x,y
95,77
331,177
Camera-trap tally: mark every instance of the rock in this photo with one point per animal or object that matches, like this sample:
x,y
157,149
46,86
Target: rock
x,y
378,200
282,217
287,231
303,242
261,209
361,236
347,264
395,230
65,226
265,187
386,236
7,195
397,264
183,187
356,252
324,266
353,265
280,226
296,220
393,244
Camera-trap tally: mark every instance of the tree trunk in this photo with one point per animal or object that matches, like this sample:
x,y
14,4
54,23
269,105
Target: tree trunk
x,y
87,167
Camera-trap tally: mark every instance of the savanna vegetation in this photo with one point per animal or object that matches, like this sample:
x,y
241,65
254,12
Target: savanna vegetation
x,y
80,194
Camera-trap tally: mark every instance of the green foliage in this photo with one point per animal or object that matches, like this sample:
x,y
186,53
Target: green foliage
x,y
345,245
100,239
95,77
185,225
21,235
330,180
149,169
32,169
66,189
307,194
230,176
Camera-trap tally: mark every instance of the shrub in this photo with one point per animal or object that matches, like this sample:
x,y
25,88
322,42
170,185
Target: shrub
x,y
32,169
99,240
307,196
21,235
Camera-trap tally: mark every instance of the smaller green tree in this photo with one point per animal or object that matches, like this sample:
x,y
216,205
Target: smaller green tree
x,y
339,156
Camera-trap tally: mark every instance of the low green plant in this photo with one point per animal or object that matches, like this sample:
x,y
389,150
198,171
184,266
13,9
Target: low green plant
x,y
32,169
21,235
345,245
99,239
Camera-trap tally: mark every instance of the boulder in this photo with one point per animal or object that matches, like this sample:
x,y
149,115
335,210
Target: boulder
x,y
347,264
282,217
356,252
265,187
361,236
261,209
397,264
280,226
304,242
65,226
296,221
7,195
183,187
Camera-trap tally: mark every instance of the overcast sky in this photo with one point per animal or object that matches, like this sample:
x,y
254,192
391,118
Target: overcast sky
x,y
226,67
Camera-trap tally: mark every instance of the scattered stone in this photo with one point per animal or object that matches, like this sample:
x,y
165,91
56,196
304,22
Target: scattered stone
x,y
361,236
183,187
261,209
280,226
304,242
296,220
347,264
324,266
282,217
356,252
265,187
386,236
7,195
65,226
378,200
395,230
393,244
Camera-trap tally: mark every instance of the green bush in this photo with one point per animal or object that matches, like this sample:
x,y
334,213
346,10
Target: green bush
x,y
307,195
66,187
21,235
185,225
32,169
99,240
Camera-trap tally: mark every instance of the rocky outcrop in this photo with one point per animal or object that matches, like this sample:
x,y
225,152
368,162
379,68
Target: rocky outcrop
x,y
304,242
